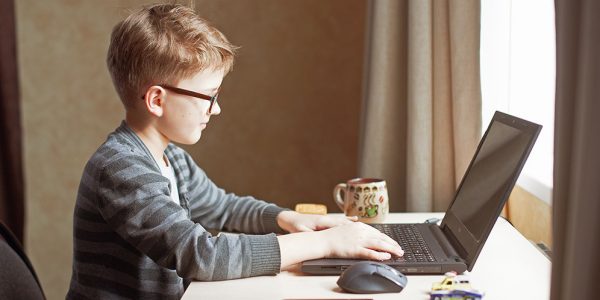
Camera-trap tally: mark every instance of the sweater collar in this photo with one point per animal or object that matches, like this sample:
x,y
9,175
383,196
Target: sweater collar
x,y
127,132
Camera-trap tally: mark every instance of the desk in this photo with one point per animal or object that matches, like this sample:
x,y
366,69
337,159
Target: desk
x,y
509,267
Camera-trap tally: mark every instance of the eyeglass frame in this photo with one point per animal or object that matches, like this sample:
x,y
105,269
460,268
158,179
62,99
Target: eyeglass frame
x,y
212,99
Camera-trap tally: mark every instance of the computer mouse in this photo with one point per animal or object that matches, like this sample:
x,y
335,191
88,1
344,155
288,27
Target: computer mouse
x,y
369,277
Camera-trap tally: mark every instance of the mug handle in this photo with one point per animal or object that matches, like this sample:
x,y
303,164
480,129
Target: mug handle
x,y
337,197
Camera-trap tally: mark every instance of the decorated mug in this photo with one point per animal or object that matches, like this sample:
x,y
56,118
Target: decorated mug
x,y
366,198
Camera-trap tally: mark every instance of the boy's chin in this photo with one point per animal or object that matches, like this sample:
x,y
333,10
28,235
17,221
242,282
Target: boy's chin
x,y
195,140
191,140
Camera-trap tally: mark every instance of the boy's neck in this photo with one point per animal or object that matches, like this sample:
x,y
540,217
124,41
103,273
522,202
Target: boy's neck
x,y
155,141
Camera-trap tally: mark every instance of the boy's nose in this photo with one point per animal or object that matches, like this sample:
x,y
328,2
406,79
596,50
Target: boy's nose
x,y
216,109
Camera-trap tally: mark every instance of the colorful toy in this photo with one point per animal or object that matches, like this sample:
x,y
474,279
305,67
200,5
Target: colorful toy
x,y
454,287
456,295
452,282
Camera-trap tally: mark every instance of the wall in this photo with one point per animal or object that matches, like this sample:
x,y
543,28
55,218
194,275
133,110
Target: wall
x,y
288,131
289,128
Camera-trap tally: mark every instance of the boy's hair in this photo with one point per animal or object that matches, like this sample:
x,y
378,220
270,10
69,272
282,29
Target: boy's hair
x,y
163,43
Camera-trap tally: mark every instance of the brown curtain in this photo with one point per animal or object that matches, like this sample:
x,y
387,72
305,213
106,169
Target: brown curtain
x,y
576,196
422,105
11,171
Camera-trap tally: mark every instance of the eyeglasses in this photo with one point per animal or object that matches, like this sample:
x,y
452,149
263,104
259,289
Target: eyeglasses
x,y
177,90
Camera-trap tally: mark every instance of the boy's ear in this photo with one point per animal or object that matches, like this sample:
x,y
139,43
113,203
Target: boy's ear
x,y
154,100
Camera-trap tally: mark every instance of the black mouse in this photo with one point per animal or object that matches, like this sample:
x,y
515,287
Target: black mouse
x,y
369,277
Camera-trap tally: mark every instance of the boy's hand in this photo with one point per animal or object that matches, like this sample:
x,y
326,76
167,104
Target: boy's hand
x,y
346,240
292,221
359,240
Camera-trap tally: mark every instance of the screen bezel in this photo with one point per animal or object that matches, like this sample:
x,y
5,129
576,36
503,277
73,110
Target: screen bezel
x,y
461,238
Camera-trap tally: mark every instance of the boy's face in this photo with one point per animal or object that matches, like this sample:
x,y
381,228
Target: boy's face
x,y
185,117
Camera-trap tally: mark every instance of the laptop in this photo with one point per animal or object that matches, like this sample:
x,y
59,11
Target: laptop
x,y
454,245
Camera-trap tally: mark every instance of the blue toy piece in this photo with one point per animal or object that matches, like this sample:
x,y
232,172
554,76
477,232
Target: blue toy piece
x,y
456,295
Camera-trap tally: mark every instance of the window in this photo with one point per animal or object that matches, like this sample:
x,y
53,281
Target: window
x,y
518,75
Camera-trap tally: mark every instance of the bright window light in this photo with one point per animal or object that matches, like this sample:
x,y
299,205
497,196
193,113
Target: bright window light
x,y
518,75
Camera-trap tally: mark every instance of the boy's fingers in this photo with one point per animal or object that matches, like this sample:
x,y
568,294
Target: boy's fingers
x,y
329,222
390,240
352,218
384,237
387,238
385,245
374,255
304,228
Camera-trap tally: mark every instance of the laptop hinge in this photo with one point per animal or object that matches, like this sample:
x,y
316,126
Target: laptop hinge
x,y
444,242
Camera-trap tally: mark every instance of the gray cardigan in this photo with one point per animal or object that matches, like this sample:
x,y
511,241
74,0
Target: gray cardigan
x,y
131,240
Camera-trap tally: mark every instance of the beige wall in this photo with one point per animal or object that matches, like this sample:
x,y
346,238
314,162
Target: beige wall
x,y
288,131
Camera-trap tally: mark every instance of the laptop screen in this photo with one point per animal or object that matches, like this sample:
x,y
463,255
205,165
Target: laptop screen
x,y
489,180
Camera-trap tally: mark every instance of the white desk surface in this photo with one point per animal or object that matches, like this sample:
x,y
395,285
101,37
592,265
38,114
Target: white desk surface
x,y
508,267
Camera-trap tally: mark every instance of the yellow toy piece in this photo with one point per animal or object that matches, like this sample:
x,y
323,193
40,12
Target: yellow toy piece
x,y
311,208
452,282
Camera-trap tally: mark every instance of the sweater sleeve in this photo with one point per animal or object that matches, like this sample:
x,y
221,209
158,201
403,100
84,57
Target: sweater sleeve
x,y
212,207
134,201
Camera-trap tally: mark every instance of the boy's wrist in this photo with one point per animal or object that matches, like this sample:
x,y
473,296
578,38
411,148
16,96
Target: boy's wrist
x,y
284,219
301,246
323,241
271,219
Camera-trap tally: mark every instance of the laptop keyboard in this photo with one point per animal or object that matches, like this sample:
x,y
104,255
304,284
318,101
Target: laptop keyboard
x,y
411,241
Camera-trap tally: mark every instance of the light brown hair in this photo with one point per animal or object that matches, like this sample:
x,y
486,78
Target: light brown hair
x,y
163,43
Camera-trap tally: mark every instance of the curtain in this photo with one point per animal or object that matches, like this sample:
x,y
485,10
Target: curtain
x,y
576,194
11,170
421,117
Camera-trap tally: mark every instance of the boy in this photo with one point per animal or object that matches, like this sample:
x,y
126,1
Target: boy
x,y
144,207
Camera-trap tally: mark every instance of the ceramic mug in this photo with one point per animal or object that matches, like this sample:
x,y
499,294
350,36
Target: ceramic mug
x,y
366,198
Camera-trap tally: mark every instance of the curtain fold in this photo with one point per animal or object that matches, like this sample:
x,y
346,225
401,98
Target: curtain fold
x,y
576,192
382,151
422,104
11,170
